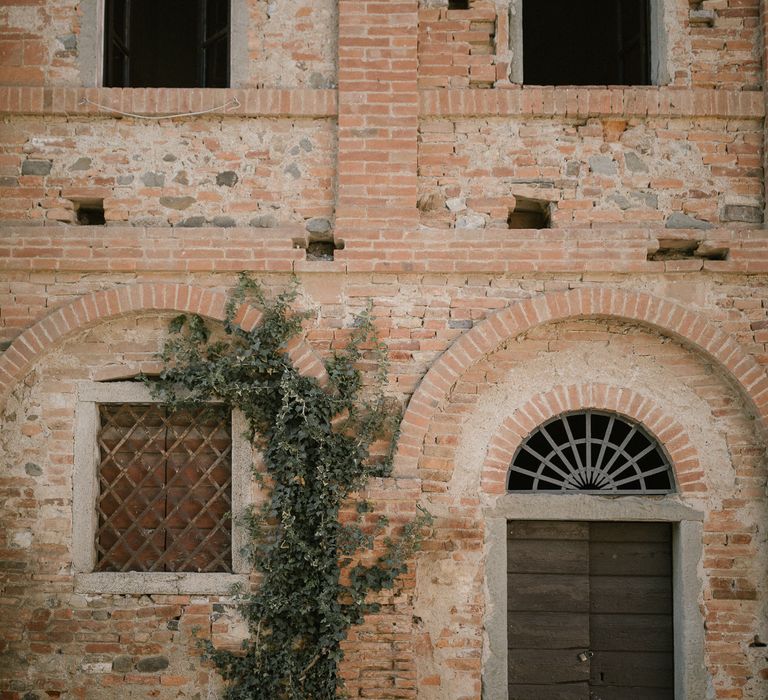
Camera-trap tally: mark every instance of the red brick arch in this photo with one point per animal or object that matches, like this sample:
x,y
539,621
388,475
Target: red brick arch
x,y
90,309
689,474
691,328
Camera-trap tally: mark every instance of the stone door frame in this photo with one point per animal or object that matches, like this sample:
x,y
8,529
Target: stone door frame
x,y
687,552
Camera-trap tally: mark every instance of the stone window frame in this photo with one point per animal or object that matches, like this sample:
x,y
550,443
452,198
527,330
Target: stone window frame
x,y
660,72
85,486
91,44
687,553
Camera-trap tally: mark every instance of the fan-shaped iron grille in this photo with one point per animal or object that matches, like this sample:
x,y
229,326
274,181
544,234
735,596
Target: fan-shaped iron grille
x,y
591,451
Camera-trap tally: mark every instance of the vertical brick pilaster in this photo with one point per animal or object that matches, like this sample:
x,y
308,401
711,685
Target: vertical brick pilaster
x,y
378,117
764,56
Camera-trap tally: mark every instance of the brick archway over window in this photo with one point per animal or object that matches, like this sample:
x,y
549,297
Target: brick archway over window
x,y
90,309
672,319
689,474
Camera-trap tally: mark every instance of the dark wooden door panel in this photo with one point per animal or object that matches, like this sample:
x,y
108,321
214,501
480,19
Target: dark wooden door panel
x,y
636,670
629,532
603,587
547,530
548,557
545,667
631,633
548,630
563,691
611,693
630,559
631,594
549,592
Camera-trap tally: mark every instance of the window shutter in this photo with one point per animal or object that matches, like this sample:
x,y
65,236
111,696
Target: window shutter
x,y
117,52
214,49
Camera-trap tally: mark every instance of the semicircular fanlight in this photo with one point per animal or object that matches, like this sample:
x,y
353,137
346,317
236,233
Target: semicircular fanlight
x,y
593,451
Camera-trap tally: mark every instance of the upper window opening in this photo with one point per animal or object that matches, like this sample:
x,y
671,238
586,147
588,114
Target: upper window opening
x,y
458,4
600,42
591,451
166,43
529,213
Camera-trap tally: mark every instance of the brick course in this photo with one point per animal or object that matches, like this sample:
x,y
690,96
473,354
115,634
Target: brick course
x,y
394,128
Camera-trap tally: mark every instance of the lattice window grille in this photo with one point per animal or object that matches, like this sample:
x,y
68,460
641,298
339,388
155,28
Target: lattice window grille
x,y
165,489
592,451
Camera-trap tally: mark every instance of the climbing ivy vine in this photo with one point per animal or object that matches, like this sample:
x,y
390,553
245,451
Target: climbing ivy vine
x,y
316,446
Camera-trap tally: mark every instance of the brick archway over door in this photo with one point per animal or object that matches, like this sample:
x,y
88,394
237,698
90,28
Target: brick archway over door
x,y
90,309
670,318
689,474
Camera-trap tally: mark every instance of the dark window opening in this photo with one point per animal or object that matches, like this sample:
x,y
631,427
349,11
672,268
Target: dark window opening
x,y
166,43
458,4
600,42
591,451
90,213
683,249
529,213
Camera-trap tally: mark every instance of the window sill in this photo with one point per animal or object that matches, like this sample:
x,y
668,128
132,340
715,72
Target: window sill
x,y
145,583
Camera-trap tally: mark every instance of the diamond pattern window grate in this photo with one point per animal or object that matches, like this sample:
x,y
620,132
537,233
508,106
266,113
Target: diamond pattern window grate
x,y
165,489
591,451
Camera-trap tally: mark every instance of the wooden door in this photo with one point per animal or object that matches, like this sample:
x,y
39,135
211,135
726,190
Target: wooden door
x,y
589,611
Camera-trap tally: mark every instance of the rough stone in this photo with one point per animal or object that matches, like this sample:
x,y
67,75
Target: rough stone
x,y
124,179
740,212
572,169
602,165
228,178
471,221
319,229
193,222
81,164
455,204
293,171
33,469
177,202
680,220
263,221
169,158
634,163
152,664
36,167
306,144
224,221
68,41
122,664
151,179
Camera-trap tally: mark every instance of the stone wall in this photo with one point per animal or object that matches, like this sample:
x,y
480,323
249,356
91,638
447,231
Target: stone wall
x,y
393,133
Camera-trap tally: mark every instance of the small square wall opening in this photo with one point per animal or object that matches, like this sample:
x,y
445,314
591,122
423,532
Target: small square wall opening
x,y
530,213
458,4
90,212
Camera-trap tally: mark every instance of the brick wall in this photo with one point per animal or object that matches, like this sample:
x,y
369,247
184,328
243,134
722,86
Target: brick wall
x,y
365,123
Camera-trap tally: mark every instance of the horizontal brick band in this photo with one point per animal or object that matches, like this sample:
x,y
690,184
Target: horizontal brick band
x,y
691,328
91,309
526,101
168,101
592,102
168,249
